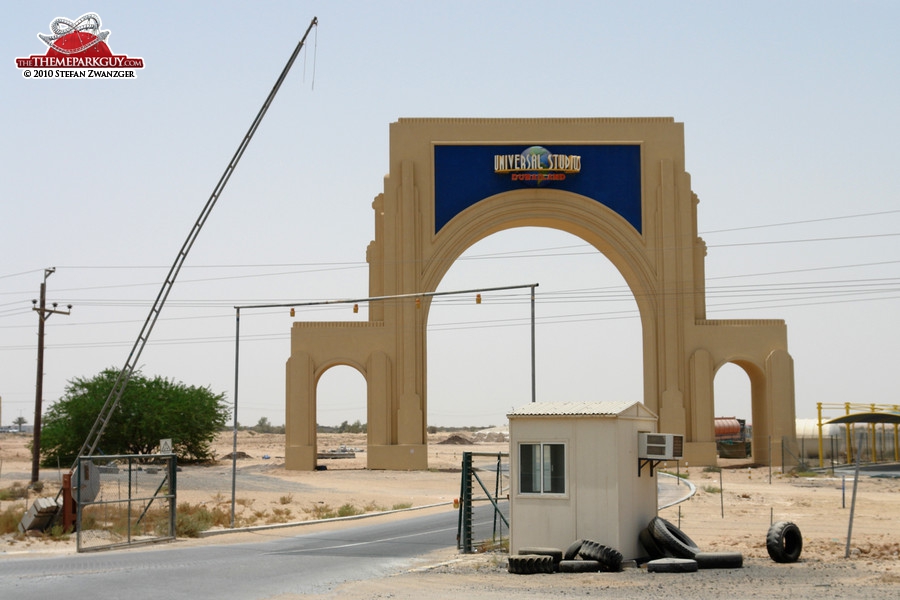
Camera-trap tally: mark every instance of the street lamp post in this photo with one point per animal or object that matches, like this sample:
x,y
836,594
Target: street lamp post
x,y
354,301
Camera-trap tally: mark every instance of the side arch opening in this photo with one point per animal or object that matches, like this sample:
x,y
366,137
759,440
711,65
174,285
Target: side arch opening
x,y
341,416
733,412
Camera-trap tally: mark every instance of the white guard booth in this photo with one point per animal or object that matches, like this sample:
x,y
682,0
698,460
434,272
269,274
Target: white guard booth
x,y
574,474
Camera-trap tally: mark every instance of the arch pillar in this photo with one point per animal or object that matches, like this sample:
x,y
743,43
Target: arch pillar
x,y
392,429
300,413
619,184
702,416
780,423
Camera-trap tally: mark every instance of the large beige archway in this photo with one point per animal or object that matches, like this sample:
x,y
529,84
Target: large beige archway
x,y
618,184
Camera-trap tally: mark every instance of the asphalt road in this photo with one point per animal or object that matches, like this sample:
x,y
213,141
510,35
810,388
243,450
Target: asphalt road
x,y
303,564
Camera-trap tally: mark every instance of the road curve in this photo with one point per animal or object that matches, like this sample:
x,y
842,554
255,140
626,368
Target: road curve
x,y
304,564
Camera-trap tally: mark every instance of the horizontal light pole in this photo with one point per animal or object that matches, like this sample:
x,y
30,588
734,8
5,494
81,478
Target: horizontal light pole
x,y
394,297
237,337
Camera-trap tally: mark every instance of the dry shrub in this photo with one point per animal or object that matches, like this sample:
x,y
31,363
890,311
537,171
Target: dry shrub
x,y
191,519
16,491
10,518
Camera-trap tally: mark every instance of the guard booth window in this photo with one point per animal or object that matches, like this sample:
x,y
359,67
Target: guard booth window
x,y
542,468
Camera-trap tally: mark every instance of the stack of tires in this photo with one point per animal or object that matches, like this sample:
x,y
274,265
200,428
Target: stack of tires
x,y
582,556
670,550
534,560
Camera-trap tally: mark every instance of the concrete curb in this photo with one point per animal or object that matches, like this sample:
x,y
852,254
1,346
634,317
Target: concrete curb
x,y
676,497
215,532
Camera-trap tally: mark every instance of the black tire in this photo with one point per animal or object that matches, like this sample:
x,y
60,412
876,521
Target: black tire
x,y
555,553
579,566
719,560
610,559
784,542
520,565
649,544
543,564
671,539
514,565
590,550
528,564
573,549
672,565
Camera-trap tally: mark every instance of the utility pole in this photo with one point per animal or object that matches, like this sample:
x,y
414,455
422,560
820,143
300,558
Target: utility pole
x,y
43,314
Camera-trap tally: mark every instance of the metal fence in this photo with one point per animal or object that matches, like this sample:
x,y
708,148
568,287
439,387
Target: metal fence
x,y
483,502
124,500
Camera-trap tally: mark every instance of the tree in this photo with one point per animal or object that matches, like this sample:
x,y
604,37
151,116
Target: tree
x,y
265,426
20,420
149,410
355,427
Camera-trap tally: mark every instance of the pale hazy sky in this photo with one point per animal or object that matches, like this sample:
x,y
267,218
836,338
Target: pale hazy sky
x,y
791,119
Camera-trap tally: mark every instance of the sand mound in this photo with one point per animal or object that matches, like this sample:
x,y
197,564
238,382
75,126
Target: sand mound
x,y
239,455
456,440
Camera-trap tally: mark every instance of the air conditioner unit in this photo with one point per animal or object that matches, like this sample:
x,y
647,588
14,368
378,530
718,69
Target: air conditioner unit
x,y
660,446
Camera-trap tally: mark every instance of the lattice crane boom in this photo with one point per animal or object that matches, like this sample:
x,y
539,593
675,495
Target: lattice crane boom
x,y
115,394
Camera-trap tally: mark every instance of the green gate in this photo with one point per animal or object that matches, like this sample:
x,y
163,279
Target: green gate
x,y
493,534
124,500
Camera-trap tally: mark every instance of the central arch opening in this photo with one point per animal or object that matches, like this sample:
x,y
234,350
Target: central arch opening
x,y
588,341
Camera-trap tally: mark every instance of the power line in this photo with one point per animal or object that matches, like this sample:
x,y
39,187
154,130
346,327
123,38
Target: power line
x,y
807,240
804,222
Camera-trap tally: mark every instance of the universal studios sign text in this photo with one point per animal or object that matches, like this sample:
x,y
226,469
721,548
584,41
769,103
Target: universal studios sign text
x,y
536,163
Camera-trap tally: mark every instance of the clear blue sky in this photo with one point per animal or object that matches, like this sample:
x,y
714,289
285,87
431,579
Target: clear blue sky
x,y
791,128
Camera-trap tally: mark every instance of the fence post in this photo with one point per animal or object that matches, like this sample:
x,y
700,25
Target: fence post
x,y
464,532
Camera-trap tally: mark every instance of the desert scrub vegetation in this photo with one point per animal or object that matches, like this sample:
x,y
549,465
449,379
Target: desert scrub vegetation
x,y
9,524
10,517
16,491
193,519
325,511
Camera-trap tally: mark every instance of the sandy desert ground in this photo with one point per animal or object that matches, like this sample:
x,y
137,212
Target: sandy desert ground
x,y
734,519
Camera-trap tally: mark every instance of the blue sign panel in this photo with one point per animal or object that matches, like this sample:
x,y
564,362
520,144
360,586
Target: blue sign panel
x,y
465,175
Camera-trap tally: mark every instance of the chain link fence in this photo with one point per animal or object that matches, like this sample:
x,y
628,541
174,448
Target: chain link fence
x,y
124,500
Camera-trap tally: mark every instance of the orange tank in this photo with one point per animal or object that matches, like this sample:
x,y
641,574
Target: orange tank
x,y
728,428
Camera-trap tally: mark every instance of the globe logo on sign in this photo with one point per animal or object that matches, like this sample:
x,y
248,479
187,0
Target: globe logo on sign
x,y
537,156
